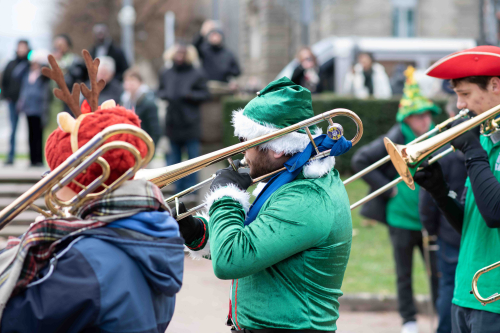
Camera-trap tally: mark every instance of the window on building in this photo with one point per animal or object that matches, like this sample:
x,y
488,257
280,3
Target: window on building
x,y
403,18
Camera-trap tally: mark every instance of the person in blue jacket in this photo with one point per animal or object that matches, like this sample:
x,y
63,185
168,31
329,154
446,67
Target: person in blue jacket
x,y
114,267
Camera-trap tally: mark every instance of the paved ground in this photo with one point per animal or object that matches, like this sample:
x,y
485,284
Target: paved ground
x,y
202,306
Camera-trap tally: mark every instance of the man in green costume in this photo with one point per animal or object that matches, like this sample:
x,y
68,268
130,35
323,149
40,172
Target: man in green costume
x,y
287,254
475,77
399,207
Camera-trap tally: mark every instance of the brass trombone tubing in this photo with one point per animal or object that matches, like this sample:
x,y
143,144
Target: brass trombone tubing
x,y
382,161
396,181
37,190
475,291
165,176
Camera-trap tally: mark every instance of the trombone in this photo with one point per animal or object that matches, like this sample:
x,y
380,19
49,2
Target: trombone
x,y
462,114
77,163
167,175
407,158
475,291
92,151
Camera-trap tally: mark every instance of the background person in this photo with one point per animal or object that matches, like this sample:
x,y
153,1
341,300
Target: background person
x,y
138,97
398,207
307,74
219,63
34,101
104,46
12,78
185,88
70,63
474,77
368,78
113,88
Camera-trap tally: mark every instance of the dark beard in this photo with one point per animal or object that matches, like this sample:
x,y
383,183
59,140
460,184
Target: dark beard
x,y
263,165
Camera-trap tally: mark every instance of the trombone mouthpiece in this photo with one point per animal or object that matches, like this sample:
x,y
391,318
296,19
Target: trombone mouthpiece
x,y
243,163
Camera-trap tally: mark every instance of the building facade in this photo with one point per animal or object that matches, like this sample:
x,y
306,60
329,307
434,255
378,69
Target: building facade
x,y
271,31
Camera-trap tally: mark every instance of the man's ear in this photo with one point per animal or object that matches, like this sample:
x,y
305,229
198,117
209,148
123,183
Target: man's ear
x,y
277,155
495,85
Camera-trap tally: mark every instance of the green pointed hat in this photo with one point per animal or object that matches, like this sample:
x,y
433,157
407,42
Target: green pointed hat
x,y
281,104
413,102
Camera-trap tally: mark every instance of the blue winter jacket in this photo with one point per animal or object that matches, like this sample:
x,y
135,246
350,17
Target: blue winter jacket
x,y
121,278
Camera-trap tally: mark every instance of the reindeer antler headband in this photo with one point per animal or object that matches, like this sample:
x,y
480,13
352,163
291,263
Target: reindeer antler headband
x,y
73,99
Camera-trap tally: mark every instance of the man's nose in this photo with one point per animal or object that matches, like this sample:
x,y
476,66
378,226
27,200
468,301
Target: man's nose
x,y
461,104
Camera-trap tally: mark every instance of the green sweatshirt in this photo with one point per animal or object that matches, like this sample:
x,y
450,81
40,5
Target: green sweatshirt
x,y
287,266
479,247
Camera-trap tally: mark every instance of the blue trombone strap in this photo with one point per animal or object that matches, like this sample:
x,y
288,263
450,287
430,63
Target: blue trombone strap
x,y
293,168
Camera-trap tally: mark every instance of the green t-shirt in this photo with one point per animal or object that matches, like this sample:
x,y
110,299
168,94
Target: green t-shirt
x,y
402,210
480,246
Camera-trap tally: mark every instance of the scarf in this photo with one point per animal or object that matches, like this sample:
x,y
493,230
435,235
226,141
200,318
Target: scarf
x,y
24,257
294,167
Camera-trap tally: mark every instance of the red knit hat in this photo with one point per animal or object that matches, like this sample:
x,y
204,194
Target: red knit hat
x,y
72,133
478,61
58,147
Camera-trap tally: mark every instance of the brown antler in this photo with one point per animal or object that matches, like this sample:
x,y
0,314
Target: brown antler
x,y
92,95
55,73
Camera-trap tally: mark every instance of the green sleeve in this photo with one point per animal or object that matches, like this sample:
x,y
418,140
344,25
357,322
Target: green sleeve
x,y
292,221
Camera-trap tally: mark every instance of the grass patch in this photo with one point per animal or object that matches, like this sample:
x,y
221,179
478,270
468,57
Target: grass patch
x,y
371,264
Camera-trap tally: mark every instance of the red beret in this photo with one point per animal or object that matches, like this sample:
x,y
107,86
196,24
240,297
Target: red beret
x,y
58,146
478,61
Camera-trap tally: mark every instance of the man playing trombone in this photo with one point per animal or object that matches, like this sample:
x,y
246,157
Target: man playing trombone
x,y
475,77
286,254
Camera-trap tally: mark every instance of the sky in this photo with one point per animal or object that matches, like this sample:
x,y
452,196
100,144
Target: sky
x,y
30,19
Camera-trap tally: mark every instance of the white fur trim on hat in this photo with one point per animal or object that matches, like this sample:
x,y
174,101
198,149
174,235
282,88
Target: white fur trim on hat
x,y
289,144
319,168
232,191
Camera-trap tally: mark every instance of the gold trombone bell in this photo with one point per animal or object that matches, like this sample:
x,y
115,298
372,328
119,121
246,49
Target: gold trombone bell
x,y
407,158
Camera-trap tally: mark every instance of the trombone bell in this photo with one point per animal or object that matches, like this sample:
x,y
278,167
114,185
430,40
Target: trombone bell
x,y
399,160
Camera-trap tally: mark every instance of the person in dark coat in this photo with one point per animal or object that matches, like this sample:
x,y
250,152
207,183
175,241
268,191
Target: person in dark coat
x,y
398,207
104,46
219,63
307,74
34,100
141,99
448,239
185,88
11,85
